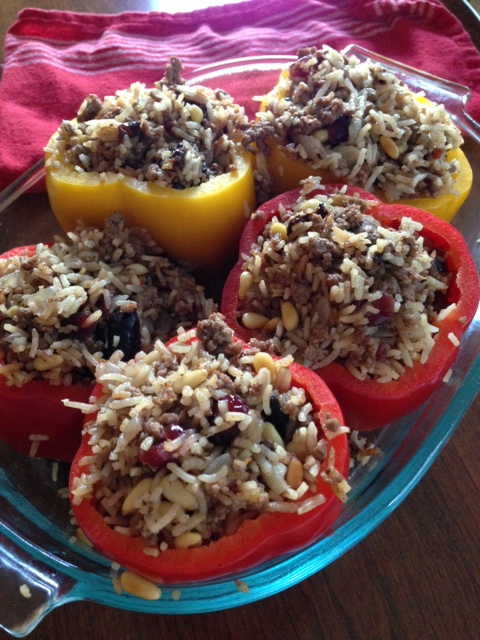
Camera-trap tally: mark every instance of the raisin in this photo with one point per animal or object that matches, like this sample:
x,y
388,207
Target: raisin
x,y
124,326
338,130
279,419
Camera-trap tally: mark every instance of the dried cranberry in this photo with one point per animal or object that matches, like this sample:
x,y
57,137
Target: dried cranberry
x,y
382,351
385,306
156,457
338,129
173,431
78,319
227,436
236,404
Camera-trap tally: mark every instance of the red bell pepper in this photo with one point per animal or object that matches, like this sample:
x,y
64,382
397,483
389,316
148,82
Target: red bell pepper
x,y
36,409
268,536
368,404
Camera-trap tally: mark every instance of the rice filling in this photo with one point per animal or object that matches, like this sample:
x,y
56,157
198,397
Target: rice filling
x,y
331,284
172,135
196,437
81,298
360,122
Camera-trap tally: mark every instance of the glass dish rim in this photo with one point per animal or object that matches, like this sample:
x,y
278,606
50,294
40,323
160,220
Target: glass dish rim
x,y
223,594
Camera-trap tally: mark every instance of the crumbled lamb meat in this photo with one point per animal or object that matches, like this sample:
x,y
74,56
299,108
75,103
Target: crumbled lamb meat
x,y
216,336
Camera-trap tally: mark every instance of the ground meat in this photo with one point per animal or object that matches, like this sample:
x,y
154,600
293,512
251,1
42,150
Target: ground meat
x,y
89,109
216,336
173,72
355,286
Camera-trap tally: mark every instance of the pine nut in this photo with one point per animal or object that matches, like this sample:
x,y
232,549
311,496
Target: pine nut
x,y
137,492
270,434
186,540
45,363
389,146
289,316
281,229
254,320
196,114
191,379
244,284
107,130
138,269
139,586
262,360
178,494
271,325
309,205
294,475
321,135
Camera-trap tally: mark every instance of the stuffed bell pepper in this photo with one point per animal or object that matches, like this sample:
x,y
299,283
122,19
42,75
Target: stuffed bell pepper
x,y
206,457
372,296
167,158
66,305
353,121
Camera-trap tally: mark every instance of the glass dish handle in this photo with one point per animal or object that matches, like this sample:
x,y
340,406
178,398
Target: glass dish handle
x,y
452,95
29,588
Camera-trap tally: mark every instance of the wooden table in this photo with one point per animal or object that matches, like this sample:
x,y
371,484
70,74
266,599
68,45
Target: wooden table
x,y
415,577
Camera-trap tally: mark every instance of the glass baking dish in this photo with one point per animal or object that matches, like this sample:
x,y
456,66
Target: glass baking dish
x,y
39,554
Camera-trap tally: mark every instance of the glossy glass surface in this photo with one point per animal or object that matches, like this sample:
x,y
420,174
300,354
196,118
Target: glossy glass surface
x,y
37,545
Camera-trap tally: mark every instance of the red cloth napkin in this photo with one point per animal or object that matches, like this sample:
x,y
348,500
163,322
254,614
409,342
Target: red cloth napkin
x,y
53,59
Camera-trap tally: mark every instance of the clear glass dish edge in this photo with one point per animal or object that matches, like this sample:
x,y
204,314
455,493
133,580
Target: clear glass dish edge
x,y
290,571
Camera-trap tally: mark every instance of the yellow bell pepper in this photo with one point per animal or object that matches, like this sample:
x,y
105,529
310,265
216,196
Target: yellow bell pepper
x,y
200,224
286,171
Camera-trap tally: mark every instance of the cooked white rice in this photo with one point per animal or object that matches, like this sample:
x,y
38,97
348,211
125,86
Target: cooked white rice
x,y
358,121
81,298
172,135
325,282
192,439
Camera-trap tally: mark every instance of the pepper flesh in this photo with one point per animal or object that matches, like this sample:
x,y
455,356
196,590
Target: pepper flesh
x,y
268,536
201,224
368,404
287,171
36,409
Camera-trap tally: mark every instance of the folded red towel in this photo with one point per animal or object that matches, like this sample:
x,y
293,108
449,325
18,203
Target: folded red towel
x,y
53,59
